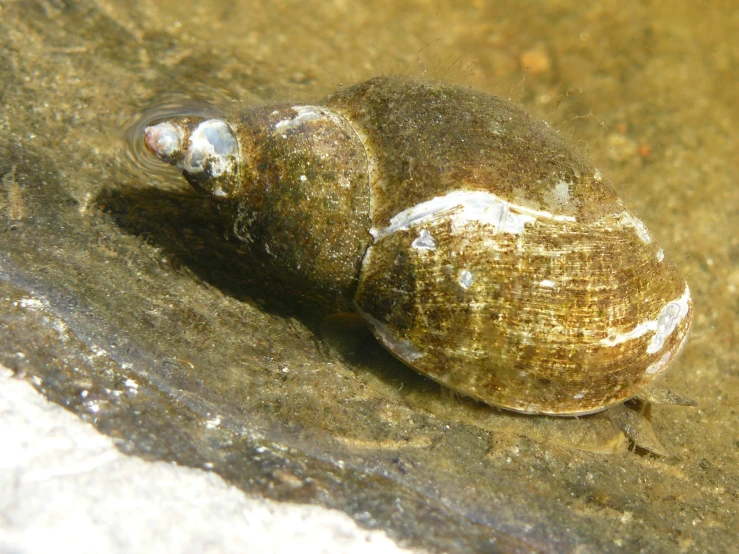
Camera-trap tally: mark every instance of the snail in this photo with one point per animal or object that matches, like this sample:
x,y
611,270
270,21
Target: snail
x,y
481,249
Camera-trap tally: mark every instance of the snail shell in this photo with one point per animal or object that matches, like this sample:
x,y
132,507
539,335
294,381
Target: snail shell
x,y
482,250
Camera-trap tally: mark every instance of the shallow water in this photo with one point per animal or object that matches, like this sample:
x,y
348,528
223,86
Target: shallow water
x,y
113,270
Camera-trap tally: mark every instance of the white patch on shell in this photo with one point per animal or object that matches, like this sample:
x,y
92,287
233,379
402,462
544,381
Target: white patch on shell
x,y
597,176
562,192
403,349
659,365
305,113
424,241
165,138
579,395
663,326
548,283
660,255
464,206
638,331
211,141
638,225
466,279
30,303
668,319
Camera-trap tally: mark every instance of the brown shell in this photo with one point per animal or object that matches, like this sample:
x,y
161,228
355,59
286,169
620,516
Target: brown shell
x,y
504,266
548,321
304,198
483,251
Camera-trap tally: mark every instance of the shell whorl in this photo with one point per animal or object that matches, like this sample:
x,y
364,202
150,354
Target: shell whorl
x,y
533,314
482,250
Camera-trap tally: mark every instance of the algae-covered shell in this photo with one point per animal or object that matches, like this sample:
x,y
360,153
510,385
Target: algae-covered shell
x,y
482,250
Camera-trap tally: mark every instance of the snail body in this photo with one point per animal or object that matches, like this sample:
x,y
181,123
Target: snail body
x,y
481,249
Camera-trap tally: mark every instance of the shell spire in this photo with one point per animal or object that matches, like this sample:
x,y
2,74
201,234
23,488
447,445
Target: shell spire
x,y
205,150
